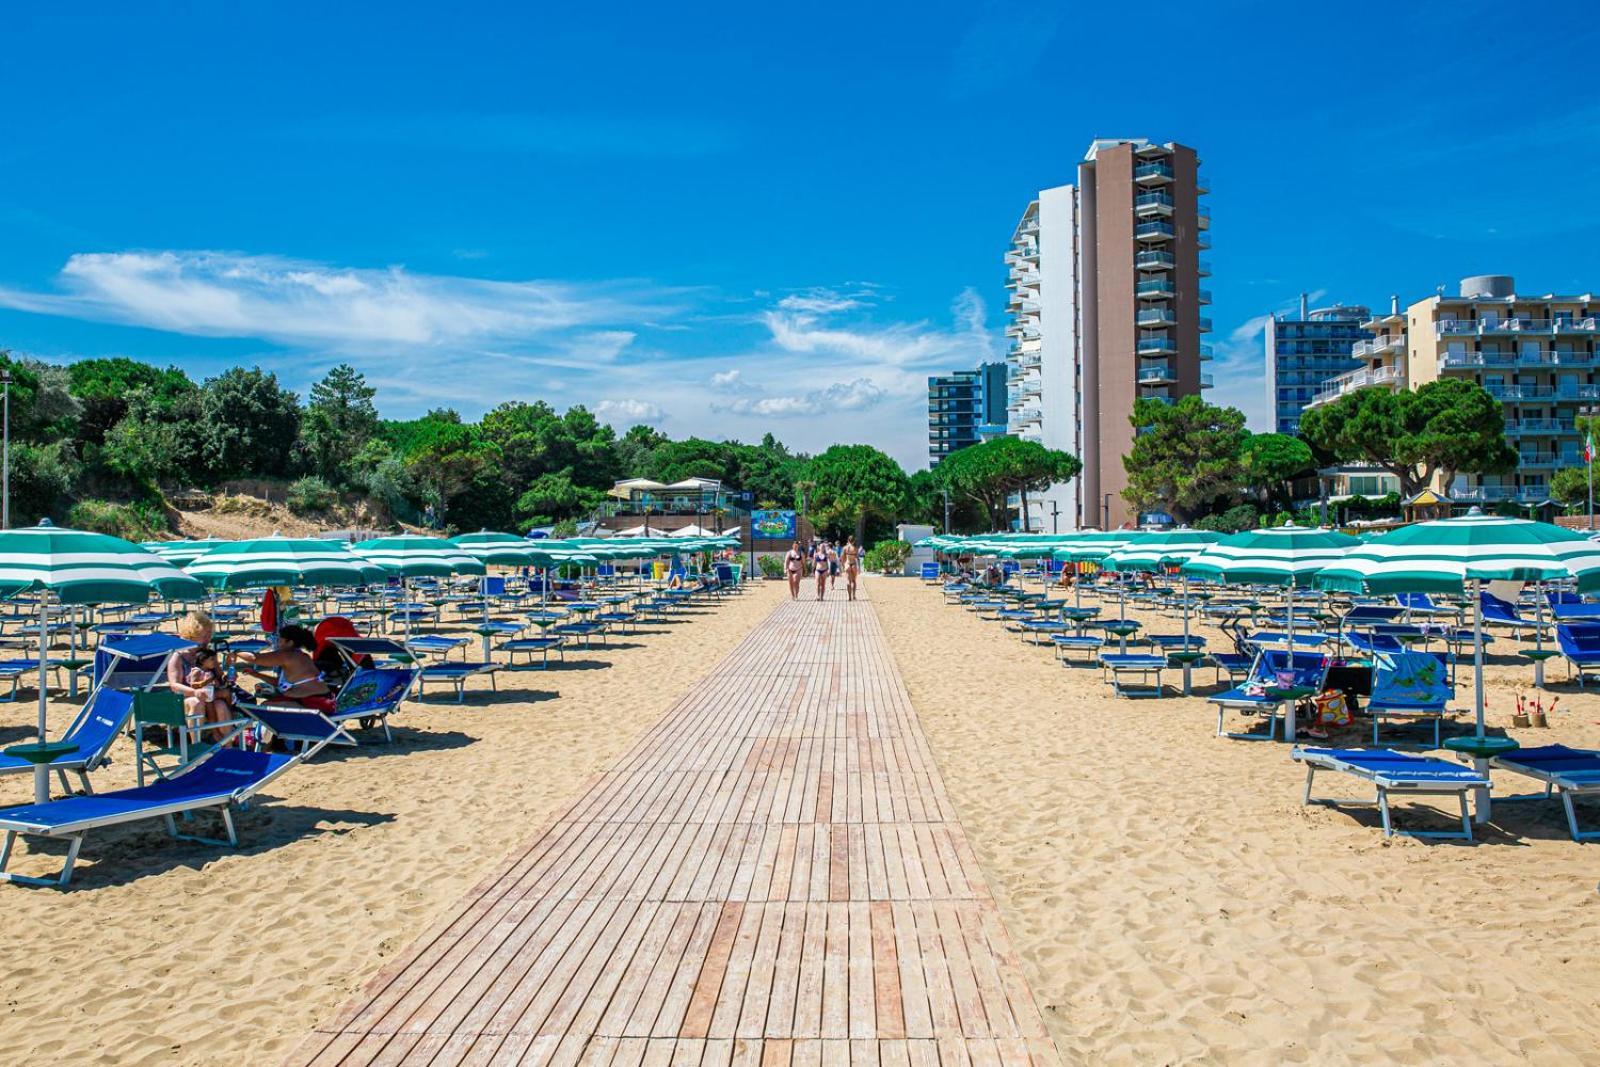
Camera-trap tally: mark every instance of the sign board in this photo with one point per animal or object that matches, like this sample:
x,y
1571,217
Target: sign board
x,y
772,525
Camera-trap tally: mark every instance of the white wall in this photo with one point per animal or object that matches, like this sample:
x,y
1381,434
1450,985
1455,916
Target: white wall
x,y
1058,326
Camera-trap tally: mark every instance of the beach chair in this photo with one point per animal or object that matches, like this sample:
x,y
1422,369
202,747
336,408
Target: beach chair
x,y
371,696
1423,604
1575,611
1309,670
1279,639
1497,612
930,572
1089,645
456,674
1394,772
1573,772
534,646
222,780
94,730
1118,667
434,645
1408,685
1579,643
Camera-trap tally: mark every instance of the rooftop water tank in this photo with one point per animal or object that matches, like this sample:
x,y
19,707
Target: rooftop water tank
x,y
1488,285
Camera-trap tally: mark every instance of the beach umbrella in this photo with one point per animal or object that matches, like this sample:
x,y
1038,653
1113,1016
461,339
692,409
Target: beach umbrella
x,y
1444,555
410,556
77,567
1290,556
494,549
179,553
1155,551
277,560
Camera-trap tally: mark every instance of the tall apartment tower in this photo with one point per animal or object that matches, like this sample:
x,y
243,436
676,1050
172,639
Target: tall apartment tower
x,y
1307,355
964,408
1106,307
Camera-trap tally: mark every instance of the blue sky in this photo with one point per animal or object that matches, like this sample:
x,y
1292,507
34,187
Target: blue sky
x,y
724,218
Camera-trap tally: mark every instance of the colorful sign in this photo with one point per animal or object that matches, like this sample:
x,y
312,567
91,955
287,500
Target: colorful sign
x,y
772,525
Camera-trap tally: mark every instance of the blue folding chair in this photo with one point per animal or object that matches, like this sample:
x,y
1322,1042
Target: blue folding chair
x,y
1409,685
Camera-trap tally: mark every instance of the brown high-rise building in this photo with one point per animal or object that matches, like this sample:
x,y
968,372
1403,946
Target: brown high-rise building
x,y
1106,306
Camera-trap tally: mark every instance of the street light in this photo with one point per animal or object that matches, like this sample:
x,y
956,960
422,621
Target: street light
x,y
5,453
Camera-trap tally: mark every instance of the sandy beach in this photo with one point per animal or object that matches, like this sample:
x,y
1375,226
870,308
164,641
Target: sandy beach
x,y
1173,902
170,952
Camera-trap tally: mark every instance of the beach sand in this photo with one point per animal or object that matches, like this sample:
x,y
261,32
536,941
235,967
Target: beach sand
x,y
170,952
1173,902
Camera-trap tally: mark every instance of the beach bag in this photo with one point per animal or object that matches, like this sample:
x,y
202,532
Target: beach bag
x,y
1332,709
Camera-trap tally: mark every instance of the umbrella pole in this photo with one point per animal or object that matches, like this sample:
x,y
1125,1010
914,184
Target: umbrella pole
x,y
1538,634
41,771
1188,663
1288,714
1477,656
483,593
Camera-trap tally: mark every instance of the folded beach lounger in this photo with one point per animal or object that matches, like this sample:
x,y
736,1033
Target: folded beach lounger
x,y
1088,646
1395,772
435,645
93,731
15,670
1118,667
457,674
534,646
930,572
1579,643
1176,642
1236,665
1572,772
221,780
1035,629
1408,685
1279,639
1309,669
371,695
1423,604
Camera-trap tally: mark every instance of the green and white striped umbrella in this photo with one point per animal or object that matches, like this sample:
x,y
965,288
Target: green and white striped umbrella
x,y
78,567
411,556
1090,545
1443,555
496,549
1156,550
283,561
1283,555
179,553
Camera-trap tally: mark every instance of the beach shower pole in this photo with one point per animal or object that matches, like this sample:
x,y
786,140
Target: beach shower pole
x,y
5,463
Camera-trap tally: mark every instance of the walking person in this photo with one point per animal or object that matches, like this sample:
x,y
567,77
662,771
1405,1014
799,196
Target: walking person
x,y
852,566
819,564
793,564
833,566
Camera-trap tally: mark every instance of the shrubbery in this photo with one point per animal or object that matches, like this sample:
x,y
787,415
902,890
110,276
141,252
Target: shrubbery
x,y
887,557
310,496
771,566
131,522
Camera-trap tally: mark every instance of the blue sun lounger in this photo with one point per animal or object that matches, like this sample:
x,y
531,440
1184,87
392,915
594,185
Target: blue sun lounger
x,y
1572,772
1422,604
456,674
1497,612
1310,672
1409,685
1394,772
1066,644
221,780
532,646
1115,666
1579,643
371,695
93,731
434,645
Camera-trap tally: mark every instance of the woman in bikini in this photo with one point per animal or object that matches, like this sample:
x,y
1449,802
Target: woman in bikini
x,y
294,673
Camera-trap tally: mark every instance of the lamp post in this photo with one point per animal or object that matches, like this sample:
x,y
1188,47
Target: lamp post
x,y
946,494
1055,516
5,453
1105,510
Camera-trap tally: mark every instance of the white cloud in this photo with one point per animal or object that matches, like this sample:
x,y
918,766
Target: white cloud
x,y
729,381
220,294
854,395
628,411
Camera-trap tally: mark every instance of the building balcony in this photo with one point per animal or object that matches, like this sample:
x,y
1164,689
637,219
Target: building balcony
x,y
1157,316
1155,289
1378,346
1491,494
1153,173
1203,268
1149,205
1393,377
1027,360
1574,326
1206,355
1157,346
1155,230
1154,260
1202,182
1205,381
1156,374
1205,324
1550,460
1202,240
1538,427
1203,295
1530,392
1024,416
1203,221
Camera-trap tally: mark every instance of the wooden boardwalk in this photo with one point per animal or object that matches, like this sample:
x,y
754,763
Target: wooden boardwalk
x,y
772,875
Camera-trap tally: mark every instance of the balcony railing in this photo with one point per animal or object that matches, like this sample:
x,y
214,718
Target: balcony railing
x,y
1205,381
1206,354
1154,260
1158,373
1154,289
1157,346
1204,268
1489,494
1540,426
1205,324
1204,296
1155,231
1158,203
1026,415
1152,173
1157,316
1469,327
1549,460
1378,346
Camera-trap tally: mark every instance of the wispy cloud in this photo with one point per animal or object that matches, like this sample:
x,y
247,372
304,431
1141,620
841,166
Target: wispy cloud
x,y
857,395
628,412
220,294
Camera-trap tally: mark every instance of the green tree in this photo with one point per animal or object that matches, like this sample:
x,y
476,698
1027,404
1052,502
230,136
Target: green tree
x,y
108,388
339,421
1569,487
852,485
249,424
1185,457
1442,428
42,405
635,448
446,460
1271,461
535,440
988,473
553,497
42,476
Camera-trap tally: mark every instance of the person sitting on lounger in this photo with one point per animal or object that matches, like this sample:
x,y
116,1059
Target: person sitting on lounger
x,y
295,676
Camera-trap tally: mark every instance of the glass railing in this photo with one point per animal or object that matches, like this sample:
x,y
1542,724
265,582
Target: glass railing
x,y
1155,287
1153,230
1158,373
1205,381
1156,347
1205,324
1153,200
1153,260
1156,317
1153,170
